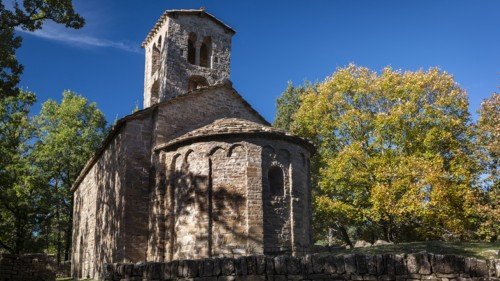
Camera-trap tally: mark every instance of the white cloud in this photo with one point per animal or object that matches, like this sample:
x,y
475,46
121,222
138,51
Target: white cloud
x,y
71,38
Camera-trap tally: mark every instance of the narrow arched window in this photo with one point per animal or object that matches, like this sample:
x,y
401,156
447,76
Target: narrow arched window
x,y
192,48
155,62
206,52
276,181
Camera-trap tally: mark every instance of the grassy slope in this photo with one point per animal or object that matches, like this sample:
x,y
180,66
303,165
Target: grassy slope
x,y
471,249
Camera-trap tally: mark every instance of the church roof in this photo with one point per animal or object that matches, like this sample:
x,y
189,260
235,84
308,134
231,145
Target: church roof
x,y
227,127
138,114
199,12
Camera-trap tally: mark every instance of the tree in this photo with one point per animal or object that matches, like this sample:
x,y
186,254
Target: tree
x,y
68,134
29,16
488,131
288,103
19,191
395,154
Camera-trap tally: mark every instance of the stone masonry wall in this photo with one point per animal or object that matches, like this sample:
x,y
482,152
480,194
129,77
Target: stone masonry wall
x,y
112,201
171,78
110,205
212,198
34,267
420,266
97,213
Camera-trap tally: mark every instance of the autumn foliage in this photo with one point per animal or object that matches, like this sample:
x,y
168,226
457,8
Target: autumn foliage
x,y
398,156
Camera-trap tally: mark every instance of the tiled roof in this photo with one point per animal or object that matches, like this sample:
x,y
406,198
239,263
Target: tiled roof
x,y
226,127
200,12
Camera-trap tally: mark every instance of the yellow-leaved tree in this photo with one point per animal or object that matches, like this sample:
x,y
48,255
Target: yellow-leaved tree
x,y
396,159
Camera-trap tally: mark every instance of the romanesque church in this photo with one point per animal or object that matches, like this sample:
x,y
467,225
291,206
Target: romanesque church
x,y
196,173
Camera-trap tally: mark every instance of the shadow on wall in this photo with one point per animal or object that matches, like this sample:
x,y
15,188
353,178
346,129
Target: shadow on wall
x,y
199,207
97,218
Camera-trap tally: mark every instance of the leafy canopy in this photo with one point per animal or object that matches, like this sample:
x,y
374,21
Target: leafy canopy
x,y
395,154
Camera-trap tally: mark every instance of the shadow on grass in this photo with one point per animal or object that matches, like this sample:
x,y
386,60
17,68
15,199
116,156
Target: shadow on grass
x,y
471,249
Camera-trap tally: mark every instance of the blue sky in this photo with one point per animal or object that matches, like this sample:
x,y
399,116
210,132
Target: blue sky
x,y
276,42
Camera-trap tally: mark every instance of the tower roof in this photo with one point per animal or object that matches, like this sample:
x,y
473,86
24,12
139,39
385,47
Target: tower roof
x,y
173,13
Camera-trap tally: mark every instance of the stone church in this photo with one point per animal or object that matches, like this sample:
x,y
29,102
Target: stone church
x,y
198,172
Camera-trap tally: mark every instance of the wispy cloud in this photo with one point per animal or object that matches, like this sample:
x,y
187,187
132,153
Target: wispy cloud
x,y
79,40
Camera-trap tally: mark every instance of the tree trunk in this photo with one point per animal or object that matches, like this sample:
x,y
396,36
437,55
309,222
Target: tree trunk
x,y
345,236
58,227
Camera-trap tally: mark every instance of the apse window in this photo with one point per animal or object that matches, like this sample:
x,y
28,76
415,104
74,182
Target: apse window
x,y
191,55
276,181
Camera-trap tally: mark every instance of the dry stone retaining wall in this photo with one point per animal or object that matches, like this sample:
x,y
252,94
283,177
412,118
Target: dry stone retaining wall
x,y
420,266
34,267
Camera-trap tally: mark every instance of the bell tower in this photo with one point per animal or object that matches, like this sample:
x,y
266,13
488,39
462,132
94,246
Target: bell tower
x,y
185,50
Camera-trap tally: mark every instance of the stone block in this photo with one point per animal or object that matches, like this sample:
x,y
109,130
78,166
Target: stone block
x,y
251,265
217,266
497,268
330,266
240,266
260,262
153,271
361,265
226,278
227,266
339,264
190,268
307,266
250,278
318,263
270,266
292,265
207,267
138,269
481,269
280,265
380,263
399,265
319,276
350,263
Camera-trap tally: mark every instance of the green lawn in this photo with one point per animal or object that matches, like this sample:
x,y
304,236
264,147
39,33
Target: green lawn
x,y
472,249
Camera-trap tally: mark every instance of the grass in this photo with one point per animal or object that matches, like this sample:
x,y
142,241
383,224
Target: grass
x,y
471,249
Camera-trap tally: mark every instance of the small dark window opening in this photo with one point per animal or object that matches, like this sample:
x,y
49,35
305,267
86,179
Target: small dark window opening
x,y
206,52
276,181
155,64
196,82
192,48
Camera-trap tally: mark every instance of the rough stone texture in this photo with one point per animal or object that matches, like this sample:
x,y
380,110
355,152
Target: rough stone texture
x,y
190,175
110,217
218,201
33,267
309,267
169,45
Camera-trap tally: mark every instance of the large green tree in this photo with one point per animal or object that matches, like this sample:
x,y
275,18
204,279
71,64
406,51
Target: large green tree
x,y
395,155
20,192
68,134
29,15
